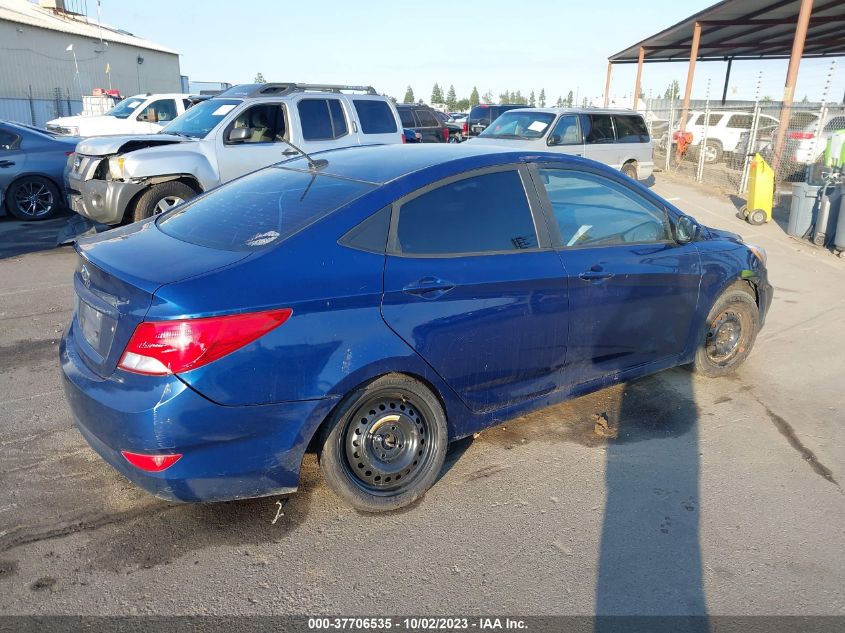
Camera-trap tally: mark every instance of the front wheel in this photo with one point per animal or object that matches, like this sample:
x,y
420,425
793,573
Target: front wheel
x,y
729,333
630,170
161,198
384,446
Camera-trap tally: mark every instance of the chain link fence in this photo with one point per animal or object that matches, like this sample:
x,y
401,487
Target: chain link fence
x,y
724,139
38,107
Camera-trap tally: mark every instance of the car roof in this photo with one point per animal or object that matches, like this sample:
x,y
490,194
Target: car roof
x,y
384,163
579,111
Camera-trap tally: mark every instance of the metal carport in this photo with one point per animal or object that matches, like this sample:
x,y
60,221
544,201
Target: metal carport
x,y
743,30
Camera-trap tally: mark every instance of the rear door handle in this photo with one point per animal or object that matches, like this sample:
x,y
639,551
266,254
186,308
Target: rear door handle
x,y
7,163
428,287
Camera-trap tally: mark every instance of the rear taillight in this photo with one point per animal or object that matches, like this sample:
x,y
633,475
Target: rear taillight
x,y
466,128
404,138
158,348
801,136
151,463
445,135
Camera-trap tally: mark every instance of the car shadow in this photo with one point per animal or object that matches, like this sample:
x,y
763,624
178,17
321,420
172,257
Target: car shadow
x,y
19,237
650,548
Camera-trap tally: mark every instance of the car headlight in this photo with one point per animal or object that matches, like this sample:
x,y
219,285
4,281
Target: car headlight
x,y
72,131
116,167
759,253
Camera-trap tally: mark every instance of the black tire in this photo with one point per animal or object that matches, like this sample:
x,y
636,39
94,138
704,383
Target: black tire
x,y
165,194
630,170
712,152
728,334
33,198
456,138
385,444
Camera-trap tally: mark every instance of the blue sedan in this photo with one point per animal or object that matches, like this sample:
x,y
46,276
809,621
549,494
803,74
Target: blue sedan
x,y
32,163
378,303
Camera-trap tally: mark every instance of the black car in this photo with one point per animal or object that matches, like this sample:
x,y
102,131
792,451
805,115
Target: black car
x,y
456,131
483,115
423,119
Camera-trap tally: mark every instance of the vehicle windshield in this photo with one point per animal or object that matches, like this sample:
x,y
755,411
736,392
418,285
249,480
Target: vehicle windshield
x,y
260,210
519,124
198,121
125,108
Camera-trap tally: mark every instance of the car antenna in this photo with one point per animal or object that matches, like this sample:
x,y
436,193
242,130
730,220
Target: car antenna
x,y
312,164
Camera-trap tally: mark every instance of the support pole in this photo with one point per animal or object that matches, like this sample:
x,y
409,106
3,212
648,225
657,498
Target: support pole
x,y
791,77
607,83
727,79
693,55
639,76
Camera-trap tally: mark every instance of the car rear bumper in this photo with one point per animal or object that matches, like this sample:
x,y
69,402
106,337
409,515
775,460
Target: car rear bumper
x,y
227,452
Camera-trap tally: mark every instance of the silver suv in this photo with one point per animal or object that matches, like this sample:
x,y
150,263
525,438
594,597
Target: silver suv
x,y
129,178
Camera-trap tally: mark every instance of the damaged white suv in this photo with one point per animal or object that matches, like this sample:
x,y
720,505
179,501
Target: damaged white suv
x,y
128,178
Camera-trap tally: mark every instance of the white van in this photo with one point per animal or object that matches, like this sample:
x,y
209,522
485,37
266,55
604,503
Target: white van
x,y
141,114
618,138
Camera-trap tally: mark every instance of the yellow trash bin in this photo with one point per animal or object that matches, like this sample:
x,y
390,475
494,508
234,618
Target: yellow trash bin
x,y
761,190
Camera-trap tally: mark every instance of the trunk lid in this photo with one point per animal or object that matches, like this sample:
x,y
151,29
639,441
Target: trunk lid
x,y
116,278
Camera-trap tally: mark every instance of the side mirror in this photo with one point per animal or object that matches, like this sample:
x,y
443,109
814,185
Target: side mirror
x,y
686,229
554,139
239,134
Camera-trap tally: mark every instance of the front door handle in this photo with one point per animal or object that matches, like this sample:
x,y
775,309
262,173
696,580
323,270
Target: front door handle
x,y
595,274
7,163
290,152
429,287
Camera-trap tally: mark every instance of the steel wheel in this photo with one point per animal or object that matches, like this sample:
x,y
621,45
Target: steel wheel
x,y
724,337
166,204
34,199
729,332
386,443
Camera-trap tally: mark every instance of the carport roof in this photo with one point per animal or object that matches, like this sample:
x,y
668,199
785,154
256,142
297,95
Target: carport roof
x,y
745,29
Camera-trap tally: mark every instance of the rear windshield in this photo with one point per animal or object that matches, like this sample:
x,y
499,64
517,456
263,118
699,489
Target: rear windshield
x,y
519,124
483,113
261,209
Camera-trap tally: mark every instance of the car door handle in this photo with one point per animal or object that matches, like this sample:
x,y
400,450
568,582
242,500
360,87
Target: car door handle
x,y
7,163
595,274
290,152
428,287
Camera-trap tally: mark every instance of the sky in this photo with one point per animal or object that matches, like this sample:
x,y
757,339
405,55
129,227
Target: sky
x,y
497,45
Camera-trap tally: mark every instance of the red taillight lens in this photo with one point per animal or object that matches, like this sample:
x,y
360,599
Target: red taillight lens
x,y
158,348
446,134
151,463
801,136
466,128
404,138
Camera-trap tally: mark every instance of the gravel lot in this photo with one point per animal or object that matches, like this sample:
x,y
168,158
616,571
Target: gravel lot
x,y
718,496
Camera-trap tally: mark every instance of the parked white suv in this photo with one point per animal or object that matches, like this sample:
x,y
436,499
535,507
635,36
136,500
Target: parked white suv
x,y
724,129
141,114
112,179
618,138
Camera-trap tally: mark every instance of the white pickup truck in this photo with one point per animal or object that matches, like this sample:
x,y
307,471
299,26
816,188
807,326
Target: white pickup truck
x,y
141,114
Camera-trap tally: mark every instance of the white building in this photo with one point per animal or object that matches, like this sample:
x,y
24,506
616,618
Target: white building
x,y
51,56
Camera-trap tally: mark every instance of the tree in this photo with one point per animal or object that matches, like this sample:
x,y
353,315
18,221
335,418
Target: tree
x,y
584,103
473,97
451,98
560,102
463,105
259,79
672,89
766,99
487,97
409,96
542,99
503,98
570,100
532,100
436,94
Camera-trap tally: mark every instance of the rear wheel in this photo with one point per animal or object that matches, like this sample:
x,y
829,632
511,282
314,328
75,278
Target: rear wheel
x,y
630,170
161,198
729,333
712,152
33,198
385,444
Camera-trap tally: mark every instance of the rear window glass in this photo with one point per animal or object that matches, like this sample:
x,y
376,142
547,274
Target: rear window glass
x,y
376,116
407,118
427,119
259,210
321,119
520,124
479,113
630,129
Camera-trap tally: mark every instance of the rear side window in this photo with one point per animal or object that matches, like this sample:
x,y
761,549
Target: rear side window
x,y
427,119
630,129
376,116
321,119
371,234
480,214
482,114
259,210
598,128
407,118
8,140
713,120
836,123
741,121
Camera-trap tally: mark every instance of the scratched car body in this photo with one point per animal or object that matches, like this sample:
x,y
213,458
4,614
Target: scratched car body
x,y
375,304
